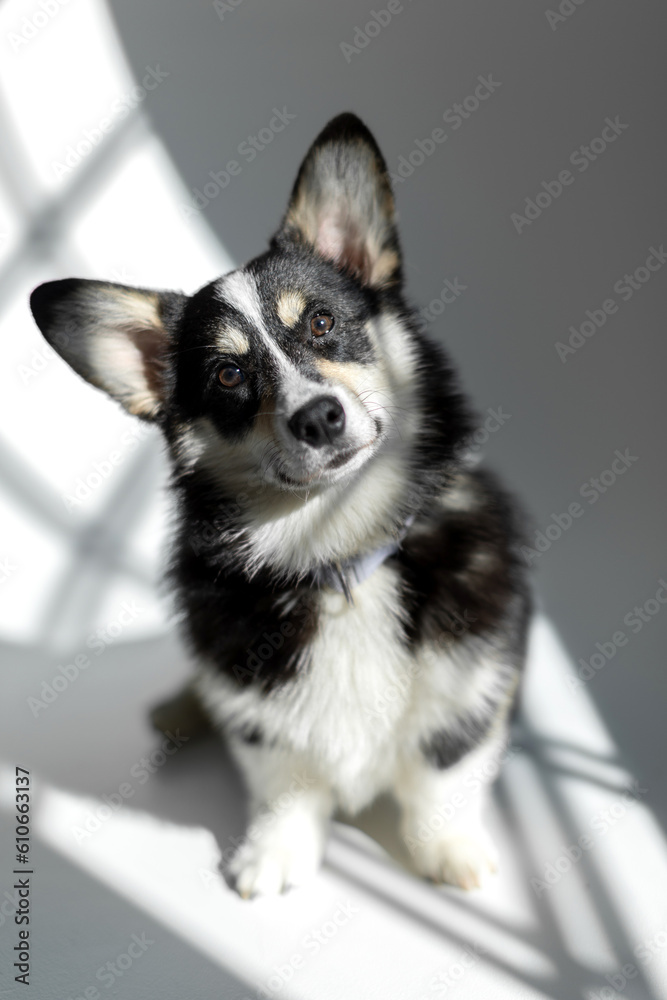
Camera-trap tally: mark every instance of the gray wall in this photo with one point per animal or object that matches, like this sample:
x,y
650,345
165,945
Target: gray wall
x,y
557,85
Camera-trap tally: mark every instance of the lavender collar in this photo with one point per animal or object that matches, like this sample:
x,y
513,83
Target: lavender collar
x,y
344,576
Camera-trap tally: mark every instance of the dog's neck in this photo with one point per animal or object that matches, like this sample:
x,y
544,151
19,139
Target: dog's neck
x,y
335,540
346,575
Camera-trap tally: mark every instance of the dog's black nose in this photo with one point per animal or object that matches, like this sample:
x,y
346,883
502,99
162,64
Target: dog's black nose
x,y
319,422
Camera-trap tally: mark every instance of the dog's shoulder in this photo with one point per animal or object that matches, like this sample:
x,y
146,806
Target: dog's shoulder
x,y
461,565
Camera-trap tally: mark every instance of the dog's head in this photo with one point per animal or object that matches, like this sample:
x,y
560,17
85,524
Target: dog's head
x,y
293,369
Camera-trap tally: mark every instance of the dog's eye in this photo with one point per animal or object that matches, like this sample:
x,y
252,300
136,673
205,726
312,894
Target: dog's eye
x,y
320,324
231,376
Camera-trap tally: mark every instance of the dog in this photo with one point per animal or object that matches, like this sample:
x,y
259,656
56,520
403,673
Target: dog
x,y
348,581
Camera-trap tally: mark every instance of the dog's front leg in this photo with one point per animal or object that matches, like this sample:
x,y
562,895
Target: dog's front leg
x,y
290,809
442,810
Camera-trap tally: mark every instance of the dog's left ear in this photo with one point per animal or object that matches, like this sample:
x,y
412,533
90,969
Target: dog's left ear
x,y
342,204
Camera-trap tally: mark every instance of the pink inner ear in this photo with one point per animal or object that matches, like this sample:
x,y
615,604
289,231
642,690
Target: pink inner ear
x,y
339,240
331,237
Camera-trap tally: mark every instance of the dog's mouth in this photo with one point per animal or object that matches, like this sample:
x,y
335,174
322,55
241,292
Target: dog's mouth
x,y
338,462
345,456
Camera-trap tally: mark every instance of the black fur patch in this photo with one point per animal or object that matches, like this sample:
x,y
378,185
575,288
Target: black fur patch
x,y
444,749
255,631
252,735
462,572
464,584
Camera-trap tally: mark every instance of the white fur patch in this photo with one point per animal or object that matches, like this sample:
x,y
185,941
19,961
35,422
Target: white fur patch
x,y
289,818
326,527
326,716
356,716
441,819
239,290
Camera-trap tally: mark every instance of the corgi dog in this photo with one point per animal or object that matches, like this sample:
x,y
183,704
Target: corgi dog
x,y
349,583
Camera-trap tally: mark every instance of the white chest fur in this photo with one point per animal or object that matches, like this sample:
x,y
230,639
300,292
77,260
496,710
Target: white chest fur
x,y
343,713
366,702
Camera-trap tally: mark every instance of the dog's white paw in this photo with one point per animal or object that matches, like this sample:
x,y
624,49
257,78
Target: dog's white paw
x,y
458,858
276,861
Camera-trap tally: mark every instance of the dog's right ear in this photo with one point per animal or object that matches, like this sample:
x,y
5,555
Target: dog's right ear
x,y
114,336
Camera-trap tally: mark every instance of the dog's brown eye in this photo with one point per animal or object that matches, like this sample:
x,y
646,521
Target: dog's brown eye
x,y
321,324
231,376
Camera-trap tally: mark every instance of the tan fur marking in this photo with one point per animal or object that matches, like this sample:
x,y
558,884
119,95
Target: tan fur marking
x,y
384,267
289,307
126,358
232,340
263,420
263,434
124,306
355,377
